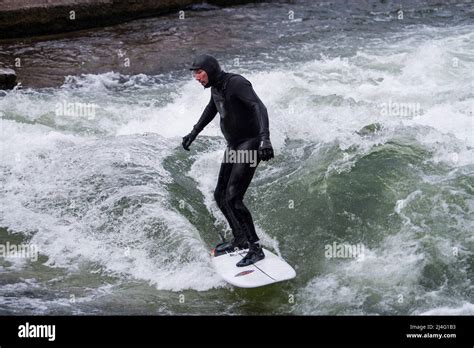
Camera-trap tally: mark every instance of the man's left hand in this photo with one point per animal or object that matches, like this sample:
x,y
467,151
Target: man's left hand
x,y
265,150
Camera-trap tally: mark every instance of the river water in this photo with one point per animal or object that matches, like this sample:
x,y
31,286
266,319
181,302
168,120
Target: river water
x,y
371,117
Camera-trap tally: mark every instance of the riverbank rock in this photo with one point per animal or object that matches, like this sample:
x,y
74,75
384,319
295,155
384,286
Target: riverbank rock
x,y
22,18
7,78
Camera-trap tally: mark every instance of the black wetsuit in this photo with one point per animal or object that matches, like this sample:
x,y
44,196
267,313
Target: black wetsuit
x,y
244,124
243,115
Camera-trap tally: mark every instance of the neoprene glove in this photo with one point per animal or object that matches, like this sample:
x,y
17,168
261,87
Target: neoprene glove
x,y
265,150
188,139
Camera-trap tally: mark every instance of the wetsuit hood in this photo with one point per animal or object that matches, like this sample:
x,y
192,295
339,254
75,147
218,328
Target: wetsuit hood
x,y
210,65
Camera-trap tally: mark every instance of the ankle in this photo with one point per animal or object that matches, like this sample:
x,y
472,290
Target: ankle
x,y
255,245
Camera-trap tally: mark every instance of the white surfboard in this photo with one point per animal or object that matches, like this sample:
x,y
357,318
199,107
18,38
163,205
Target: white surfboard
x,y
270,270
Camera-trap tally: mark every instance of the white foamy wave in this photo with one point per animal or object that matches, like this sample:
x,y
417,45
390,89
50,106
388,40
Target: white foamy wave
x,y
464,309
326,99
102,201
373,282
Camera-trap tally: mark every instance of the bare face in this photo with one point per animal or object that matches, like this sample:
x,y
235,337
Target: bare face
x,y
201,76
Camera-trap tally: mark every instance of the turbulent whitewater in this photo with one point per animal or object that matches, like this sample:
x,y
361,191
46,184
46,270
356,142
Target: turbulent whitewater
x,y
373,132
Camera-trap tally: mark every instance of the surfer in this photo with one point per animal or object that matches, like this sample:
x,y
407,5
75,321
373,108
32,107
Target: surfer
x,y
244,124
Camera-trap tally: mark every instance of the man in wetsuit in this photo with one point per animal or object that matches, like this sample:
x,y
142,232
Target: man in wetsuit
x,y
244,124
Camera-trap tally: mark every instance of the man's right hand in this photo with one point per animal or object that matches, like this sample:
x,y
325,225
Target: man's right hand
x,y
188,139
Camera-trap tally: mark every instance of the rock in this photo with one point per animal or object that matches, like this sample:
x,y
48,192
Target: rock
x,y
370,129
20,18
7,78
